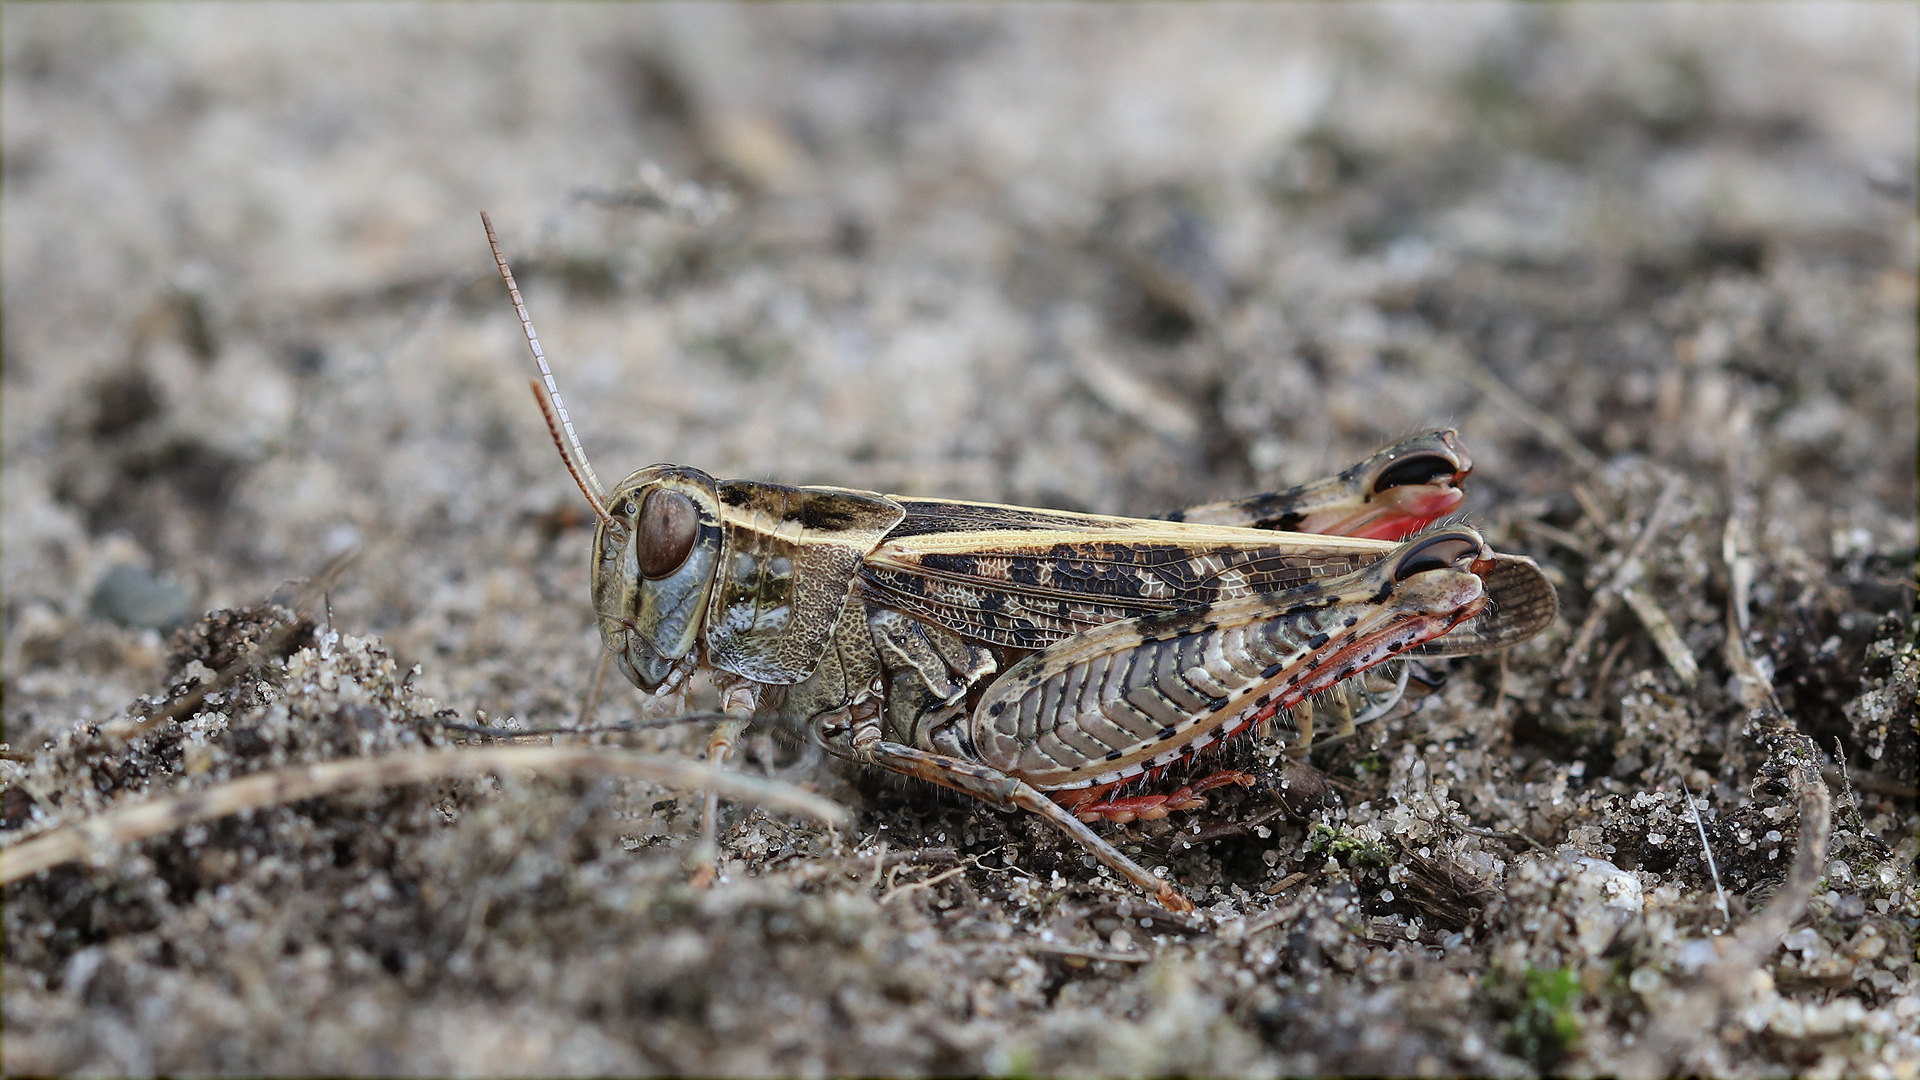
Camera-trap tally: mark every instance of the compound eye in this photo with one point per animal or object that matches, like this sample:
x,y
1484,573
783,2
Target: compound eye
x,y
1436,553
668,524
1418,469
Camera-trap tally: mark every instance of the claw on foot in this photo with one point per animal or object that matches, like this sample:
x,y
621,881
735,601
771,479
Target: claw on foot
x,y
703,875
1173,899
726,734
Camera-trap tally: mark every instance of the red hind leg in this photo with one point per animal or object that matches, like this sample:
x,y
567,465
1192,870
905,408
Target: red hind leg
x,y
1075,798
1088,807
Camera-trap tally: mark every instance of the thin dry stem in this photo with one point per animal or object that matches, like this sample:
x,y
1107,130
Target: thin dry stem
x,y
591,705
1751,688
916,886
1628,572
1665,637
153,817
1277,916
1590,506
1712,868
1523,410
1092,954
1732,977
1868,782
1559,536
1740,568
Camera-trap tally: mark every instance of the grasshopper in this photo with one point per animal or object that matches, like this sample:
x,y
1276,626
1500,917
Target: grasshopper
x,y
1040,659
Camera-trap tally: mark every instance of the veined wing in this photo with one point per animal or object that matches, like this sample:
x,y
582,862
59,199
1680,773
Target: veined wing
x,y
1027,578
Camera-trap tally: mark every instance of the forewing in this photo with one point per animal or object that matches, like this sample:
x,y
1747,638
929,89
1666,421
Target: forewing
x,y
1028,578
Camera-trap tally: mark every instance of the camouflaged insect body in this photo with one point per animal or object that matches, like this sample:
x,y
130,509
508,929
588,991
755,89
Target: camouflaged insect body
x,y
879,624
830,599
1037,658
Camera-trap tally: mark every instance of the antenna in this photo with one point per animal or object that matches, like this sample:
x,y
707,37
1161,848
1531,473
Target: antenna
x,y
549,395
553,428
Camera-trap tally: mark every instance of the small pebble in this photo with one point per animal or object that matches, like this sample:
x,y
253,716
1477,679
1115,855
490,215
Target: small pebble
x,y
136,597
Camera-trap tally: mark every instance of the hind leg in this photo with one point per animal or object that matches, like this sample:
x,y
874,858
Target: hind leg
x,y
1089,806
1007,791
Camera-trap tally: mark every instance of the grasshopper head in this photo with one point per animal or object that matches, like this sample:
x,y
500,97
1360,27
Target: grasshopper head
x,y
653,561
658,539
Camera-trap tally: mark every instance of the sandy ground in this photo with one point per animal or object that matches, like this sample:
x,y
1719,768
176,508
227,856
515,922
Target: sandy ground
x,y
1657,264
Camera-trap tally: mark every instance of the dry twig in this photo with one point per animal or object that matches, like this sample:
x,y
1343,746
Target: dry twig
x,y
1550,429
1071,953
1624,576
1735,974
153,817
1712,867
929,883
1665,637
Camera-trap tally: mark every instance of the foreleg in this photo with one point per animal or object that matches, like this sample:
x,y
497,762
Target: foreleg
x,y
738,701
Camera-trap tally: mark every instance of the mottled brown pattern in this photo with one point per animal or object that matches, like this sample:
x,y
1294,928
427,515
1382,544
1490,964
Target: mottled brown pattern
x,y
786,568
1141,693
1025,578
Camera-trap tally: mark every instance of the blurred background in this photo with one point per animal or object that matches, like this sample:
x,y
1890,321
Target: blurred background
x,y
1121,259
